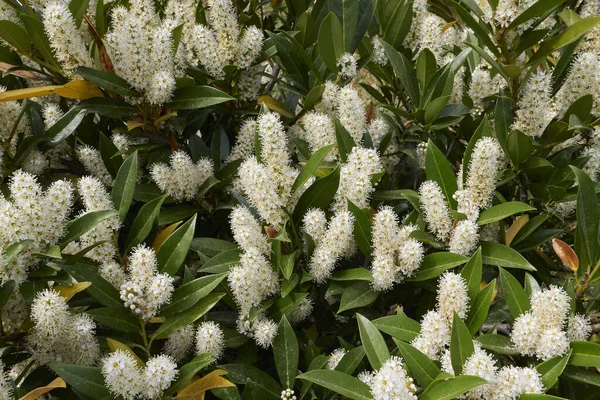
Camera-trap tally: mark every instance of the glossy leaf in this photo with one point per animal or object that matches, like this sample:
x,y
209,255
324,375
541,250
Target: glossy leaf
x,y
373,343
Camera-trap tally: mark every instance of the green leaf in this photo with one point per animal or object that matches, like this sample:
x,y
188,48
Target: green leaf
x,y
362,229
503,120
318,195
310,167
358,294
434,108
446,389
108,107
16,36
514,294
404,70
331,45
435,264
398,326
518,146
426,68
344,140
222,262
211,246
530,227
481,31
118,318
501,211
585,354
190,293
353,274
174,249
81,225
539,396
552,369
88,380
439,169
497,343
481,306
78,8
461,344
351,360
143,222
400,194
588,217
349,20
187,372
65,126
536,10
286,353
37,35
101,290
471,272
177,321
191,98
124,187
503,256
339,382
241,373
582,375
9,253
375,347
6,291
421,367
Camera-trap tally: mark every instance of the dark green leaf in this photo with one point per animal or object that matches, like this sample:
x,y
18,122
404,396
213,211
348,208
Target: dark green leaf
x,y
446,389
404,70
174,249
88,380
187,372
331,44
421,367
358,294
373,343
439,169
81,225
481,306
124,187
501,211
503,256
318,195
435,264
177,321
514,294
471,272
101,290
286,353
461,344
190,293
143,222
339,382
552,369
118,318
65,126
191,98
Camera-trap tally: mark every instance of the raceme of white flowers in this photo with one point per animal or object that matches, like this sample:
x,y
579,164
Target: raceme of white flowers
x,y
58,335
93,163
436,324
547,329
390,382
145,290
182,178
126,378
31,214
395,254
220,43
208,338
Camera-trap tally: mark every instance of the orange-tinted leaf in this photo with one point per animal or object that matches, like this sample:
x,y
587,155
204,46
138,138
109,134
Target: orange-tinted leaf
x,y
515,228
566,254
58,383
196,390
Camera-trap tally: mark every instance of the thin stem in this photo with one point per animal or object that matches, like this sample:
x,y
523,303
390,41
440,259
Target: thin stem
x,y
145,339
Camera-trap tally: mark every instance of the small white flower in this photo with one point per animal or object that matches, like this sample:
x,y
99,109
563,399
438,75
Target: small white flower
x,y
335,357
347,66
210,339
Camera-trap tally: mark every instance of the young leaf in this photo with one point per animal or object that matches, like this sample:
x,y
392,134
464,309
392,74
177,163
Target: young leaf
x,y
515,296
286,353
375,347
461,344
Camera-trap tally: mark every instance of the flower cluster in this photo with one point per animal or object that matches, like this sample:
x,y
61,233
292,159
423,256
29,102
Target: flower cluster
x,y
356,184
182,178
332,240
335,357
145,290
220,43
58,335
536,106
141,47
546,330
395,254
391,381
253,279
347,66
93,163
208,336
31,214
435,326
124,377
